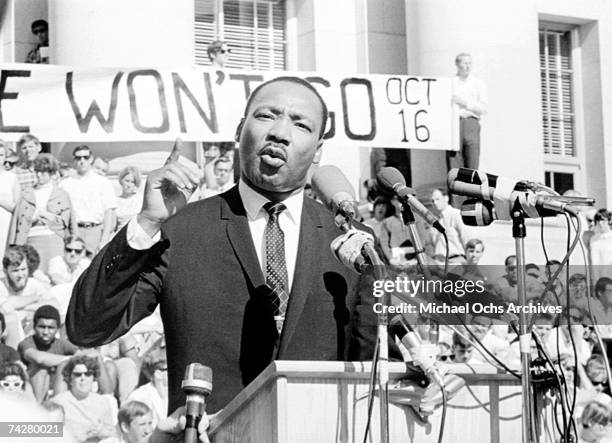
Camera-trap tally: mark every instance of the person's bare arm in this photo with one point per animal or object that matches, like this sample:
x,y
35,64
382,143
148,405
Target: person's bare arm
x,y
43,358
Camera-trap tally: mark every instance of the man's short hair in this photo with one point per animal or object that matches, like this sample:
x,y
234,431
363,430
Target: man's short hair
x,y
46,163
222,159
38,23
459,340
27,138
575,278
298,81
73,238
553,262
602,214
13,368
601,284
2,323
13,256
442,191
81,148
461,55
131,410
214,47
47,312
32,257
473,242
507,260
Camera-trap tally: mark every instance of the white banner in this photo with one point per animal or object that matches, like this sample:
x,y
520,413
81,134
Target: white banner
x,y
66,104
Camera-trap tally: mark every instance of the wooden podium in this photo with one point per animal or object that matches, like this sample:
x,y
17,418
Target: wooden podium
x,y
312,402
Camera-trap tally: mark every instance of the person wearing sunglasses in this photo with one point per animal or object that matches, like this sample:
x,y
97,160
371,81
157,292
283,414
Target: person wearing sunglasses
x,y
44,216
596,373
66,268
218,53
93,199
12,378
88,414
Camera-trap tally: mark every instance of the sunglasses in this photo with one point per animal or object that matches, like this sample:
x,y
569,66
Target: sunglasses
x,y
450,357
83,374
76,251
81,157
225,51
11,384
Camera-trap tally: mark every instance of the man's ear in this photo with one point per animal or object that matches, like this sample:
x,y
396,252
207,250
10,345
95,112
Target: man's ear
x,y
239,130
317,156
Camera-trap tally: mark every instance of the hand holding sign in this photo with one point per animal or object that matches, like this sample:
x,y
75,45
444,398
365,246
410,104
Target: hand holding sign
x,y
168,189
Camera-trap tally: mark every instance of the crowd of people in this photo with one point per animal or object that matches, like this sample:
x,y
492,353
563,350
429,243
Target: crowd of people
x,y
53,218
566,335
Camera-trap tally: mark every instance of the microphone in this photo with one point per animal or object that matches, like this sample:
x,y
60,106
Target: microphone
x,y
415,347
348,248
197,385
476,212
506,194
392,181
335,191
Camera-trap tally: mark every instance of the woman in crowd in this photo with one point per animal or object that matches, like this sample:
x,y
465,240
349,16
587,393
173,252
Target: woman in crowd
x,y
88,415
43,217
382,210
594,422
12,378
9,196
130,200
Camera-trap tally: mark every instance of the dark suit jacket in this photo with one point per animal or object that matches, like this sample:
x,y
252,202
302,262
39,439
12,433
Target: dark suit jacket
x,y
208,281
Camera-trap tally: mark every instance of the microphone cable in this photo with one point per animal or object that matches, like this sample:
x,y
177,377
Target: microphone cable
x,y
443,418
373,374
587,267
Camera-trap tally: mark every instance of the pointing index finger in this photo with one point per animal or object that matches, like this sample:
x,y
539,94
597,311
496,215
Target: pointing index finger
x,y
176,151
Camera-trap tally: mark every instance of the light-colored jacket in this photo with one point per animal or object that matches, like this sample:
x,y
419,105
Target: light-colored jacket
x,y
58,204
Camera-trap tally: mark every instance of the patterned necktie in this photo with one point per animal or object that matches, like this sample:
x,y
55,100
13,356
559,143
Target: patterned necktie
x,y
276,268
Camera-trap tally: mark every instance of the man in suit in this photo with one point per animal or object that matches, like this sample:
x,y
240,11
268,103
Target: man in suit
x,y
222,268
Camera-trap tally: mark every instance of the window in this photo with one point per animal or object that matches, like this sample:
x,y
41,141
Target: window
x,y
557,78
253,29
559,181
562,106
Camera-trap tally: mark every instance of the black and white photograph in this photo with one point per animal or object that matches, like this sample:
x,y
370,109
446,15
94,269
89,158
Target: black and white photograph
x,y
306,221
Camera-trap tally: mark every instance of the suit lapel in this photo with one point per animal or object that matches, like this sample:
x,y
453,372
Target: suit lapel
x,y
239,236
305,271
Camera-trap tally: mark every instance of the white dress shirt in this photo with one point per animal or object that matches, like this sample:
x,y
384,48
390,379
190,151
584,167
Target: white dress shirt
x,y
91,195
474,92
289,221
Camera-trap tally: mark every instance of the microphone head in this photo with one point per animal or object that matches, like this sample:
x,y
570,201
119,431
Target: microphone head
x,y
331,186
198,379
388,177
475,212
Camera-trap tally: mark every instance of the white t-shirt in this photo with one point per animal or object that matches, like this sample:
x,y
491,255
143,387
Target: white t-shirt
x,y
91,195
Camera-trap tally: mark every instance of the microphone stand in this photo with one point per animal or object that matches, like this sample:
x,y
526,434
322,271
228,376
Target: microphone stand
x,y
409,221
519,233
382,333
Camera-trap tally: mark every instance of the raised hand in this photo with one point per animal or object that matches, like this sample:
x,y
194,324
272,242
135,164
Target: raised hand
x,y
168,189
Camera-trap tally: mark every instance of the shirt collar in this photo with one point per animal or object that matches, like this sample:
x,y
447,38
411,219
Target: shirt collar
x,y
253,202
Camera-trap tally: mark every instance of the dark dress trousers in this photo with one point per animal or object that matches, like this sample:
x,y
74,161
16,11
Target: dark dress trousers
x,y
213,298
